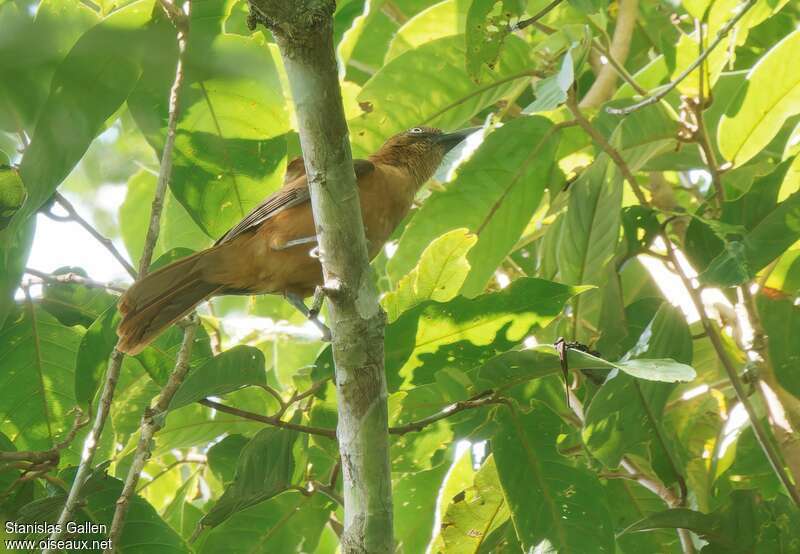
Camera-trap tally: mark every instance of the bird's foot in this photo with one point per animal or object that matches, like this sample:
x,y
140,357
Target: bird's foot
x,y
311,314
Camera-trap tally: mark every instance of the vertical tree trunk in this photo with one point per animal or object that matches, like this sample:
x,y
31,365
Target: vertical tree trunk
x,y
303,30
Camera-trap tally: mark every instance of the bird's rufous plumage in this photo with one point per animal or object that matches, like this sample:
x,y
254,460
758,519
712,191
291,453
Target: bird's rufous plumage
x,y
269,251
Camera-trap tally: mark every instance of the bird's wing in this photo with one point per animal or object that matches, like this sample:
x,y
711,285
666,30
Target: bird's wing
x,y
284,198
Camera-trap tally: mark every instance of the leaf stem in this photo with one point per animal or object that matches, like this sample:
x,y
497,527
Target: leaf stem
x,y
105,241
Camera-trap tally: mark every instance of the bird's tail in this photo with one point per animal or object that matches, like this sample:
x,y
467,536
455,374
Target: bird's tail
x,y
160,299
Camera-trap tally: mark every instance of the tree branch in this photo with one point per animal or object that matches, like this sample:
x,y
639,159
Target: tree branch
x,y
115,363
303,31
105,241
607,148
165,171
73,279
531,20
762,435
152,421
452,409
275,422
721,34
603,87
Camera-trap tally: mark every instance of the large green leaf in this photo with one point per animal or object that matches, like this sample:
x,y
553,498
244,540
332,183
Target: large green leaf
x,y
30,50
241,366
588,238
772,95
494,195
392,102
15,245
441,271
264,469
178,229
473,513
488,25
463,332
289,522
12,194
37,356
440,20
744,523
781,320
415,495
551,501
75,304
742,259
143,531
226,159
90,84
624,413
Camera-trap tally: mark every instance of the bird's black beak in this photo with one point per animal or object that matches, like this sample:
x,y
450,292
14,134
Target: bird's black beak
x,y
451,140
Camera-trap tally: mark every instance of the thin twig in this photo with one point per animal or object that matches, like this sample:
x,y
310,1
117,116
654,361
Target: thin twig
x,y
762,435
73,279
112,373
455,408
620,69
330,433
531,20
607,148
152,421
42,456
165,171
604,85
166,470
657,97
105,241
89,447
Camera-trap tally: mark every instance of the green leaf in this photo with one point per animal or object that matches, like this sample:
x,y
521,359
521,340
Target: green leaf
x,y
744,523
551,91
620,417
488,25
440,20
464,332
45,38
392,102
143,528
441,271
588,237
781,320
475,512
223,455
90,84
75,304
226,161
494,195
37,355
415,495
771,95
178,229
290,522
158,358
551,501
12,194
239,367
776,229
264,469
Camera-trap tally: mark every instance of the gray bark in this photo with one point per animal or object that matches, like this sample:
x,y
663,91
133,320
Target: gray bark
x,y
304,33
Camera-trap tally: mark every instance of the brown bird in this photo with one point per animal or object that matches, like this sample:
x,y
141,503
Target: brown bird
x,y
269,251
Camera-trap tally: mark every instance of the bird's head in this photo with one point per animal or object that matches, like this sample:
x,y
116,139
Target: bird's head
x,y
420,149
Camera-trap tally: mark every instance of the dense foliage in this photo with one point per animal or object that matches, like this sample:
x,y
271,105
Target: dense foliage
x,y
690,419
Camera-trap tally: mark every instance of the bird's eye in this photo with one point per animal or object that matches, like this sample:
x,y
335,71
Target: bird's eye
x,y
416,130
